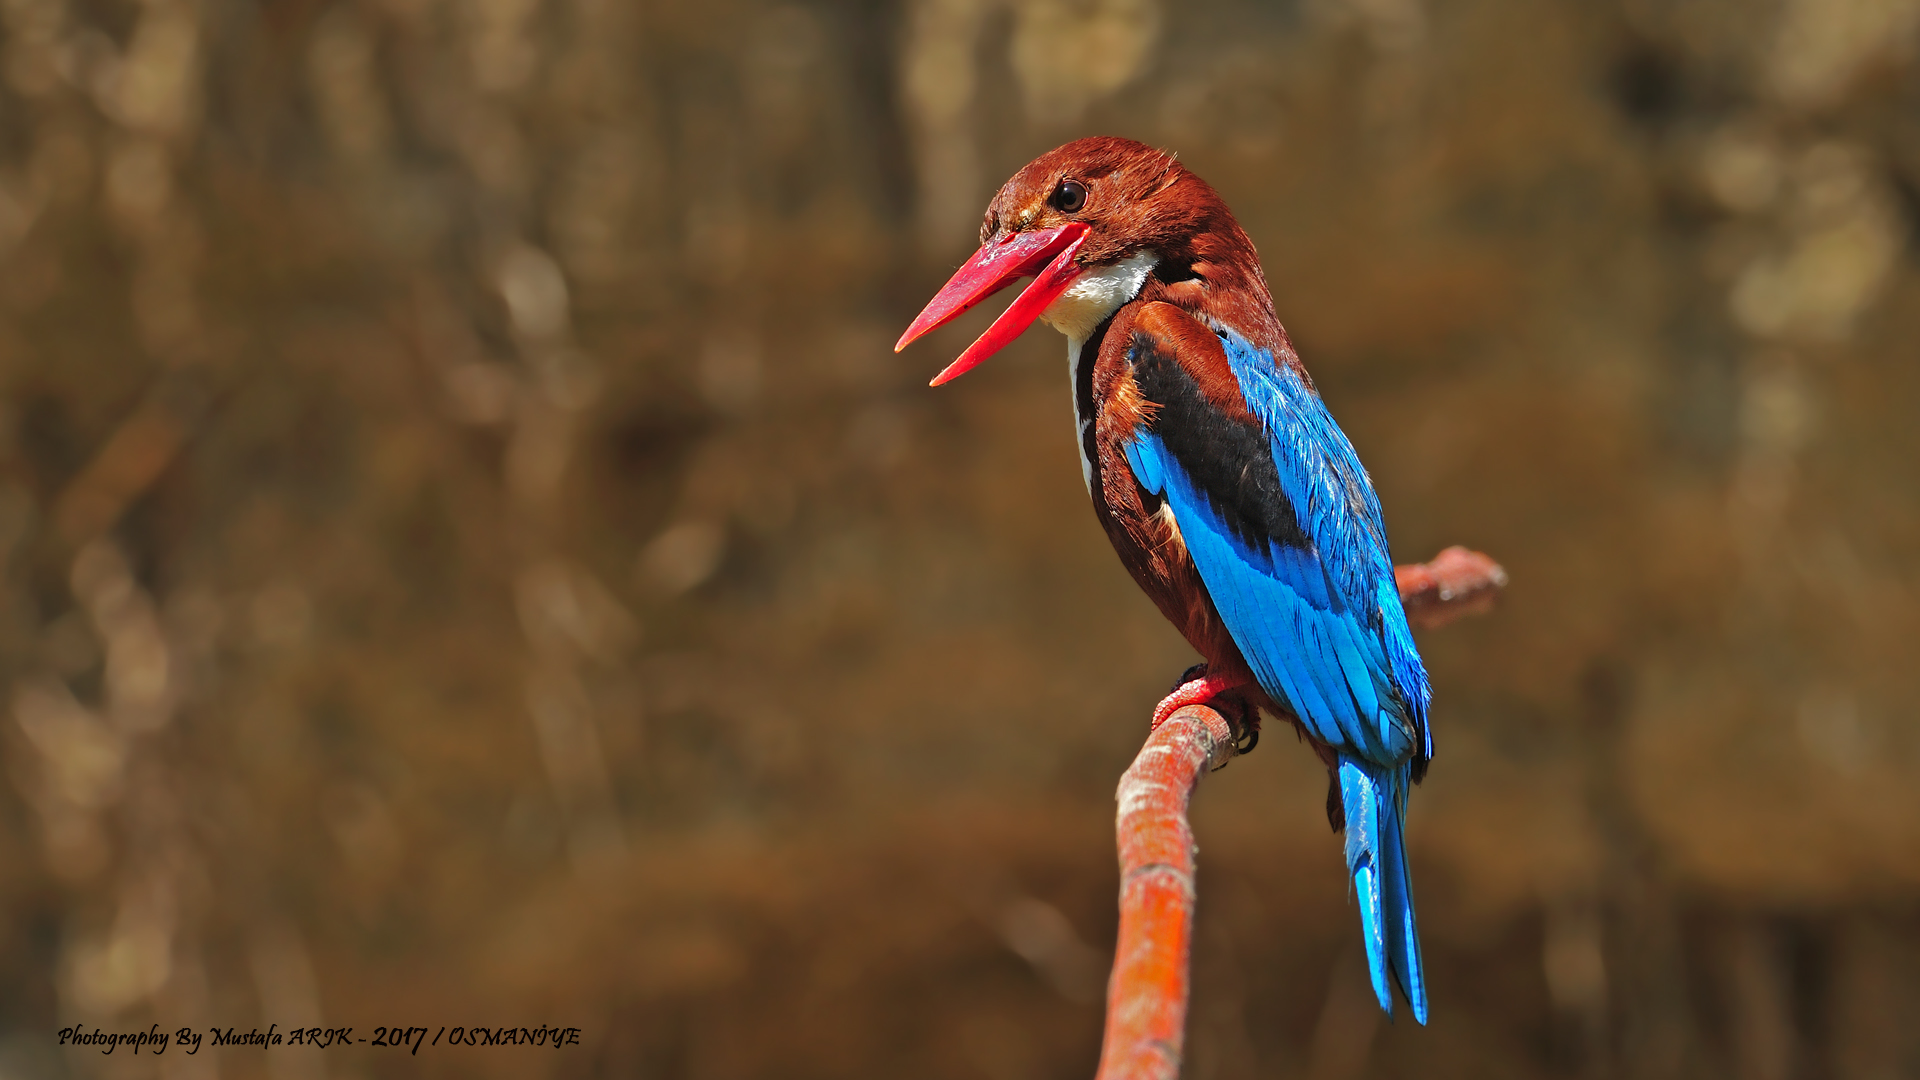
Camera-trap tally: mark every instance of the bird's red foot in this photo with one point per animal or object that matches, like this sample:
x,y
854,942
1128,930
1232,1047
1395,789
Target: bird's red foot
x,y
1200,691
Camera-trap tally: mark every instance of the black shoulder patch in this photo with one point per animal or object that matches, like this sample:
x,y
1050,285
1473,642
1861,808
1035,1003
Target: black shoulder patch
x,y
1228,459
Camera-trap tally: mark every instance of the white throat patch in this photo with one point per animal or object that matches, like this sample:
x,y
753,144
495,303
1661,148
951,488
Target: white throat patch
x,y
1096,294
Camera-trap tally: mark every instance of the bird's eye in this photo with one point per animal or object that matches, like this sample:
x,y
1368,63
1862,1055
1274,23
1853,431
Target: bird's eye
x,y
1069,197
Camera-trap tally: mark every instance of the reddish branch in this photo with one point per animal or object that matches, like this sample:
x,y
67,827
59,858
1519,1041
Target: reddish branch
x,y
1457,582
1147,993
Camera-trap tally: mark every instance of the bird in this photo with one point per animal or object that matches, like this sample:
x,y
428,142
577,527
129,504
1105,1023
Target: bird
x,y
1229,492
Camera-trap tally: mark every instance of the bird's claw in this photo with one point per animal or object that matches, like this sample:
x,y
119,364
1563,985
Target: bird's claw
x,y
1197,686
1248,734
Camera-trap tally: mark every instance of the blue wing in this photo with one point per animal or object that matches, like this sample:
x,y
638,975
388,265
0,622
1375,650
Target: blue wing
x,y
1285,530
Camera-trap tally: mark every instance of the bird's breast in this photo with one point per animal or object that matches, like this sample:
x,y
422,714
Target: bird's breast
x,y
1079,372
1079,313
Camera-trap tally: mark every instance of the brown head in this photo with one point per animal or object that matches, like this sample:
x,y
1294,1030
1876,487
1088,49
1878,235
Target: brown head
x,y
1095,222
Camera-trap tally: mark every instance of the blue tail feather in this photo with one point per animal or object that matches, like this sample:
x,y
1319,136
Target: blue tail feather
x,y
1375,803
1359,793
1403,932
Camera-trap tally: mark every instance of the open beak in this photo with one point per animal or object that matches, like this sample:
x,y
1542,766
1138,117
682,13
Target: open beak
x,y
1046,255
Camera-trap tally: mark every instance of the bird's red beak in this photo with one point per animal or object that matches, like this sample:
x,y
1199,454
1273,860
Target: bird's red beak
x,y
1046,255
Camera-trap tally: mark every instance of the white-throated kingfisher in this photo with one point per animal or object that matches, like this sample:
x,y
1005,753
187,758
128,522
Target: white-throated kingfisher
x,y
1226,487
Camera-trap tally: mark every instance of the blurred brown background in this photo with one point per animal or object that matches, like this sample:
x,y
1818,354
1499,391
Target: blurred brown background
x,y
472,558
